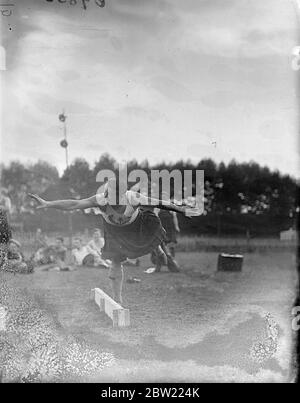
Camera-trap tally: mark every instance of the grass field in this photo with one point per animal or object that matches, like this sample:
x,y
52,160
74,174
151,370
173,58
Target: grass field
x,y
195,326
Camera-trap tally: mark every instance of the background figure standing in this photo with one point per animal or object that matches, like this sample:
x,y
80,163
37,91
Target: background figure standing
x,y
170,223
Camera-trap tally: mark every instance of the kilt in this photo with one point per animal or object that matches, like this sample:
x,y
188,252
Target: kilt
x,y
134,240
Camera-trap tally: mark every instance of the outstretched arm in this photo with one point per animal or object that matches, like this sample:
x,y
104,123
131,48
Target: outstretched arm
x,y
142,200
65,204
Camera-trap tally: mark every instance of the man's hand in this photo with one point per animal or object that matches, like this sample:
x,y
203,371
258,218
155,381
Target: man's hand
x,y
41,202
191,211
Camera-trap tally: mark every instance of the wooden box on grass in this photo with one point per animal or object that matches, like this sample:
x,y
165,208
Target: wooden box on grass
x,y
227,262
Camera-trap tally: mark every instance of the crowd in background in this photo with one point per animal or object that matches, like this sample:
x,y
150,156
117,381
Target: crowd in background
x,y
46,254
82,254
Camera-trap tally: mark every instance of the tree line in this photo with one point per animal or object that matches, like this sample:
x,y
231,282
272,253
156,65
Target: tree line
x,y
231,190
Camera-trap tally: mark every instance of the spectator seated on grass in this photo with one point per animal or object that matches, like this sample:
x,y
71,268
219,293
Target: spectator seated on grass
x,y
57,256
81,254
41,240
49,254
15,259
60,251
95,248
43,250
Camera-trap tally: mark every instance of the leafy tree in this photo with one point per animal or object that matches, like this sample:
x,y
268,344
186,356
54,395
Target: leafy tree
x,y
21,179
78,178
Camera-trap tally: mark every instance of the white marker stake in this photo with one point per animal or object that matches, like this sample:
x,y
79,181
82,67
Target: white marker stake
x,y
119,315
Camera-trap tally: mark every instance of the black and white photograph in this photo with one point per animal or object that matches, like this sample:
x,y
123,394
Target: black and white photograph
x,y
149,193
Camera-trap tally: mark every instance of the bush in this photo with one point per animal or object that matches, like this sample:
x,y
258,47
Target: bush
x,y
5,231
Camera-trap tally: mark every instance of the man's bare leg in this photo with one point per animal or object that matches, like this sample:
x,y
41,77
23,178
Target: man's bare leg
x,y
171,262
116,276
160,258
172,249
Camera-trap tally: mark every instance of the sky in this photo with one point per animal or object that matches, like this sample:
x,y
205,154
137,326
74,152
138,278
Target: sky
x,y
151,79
